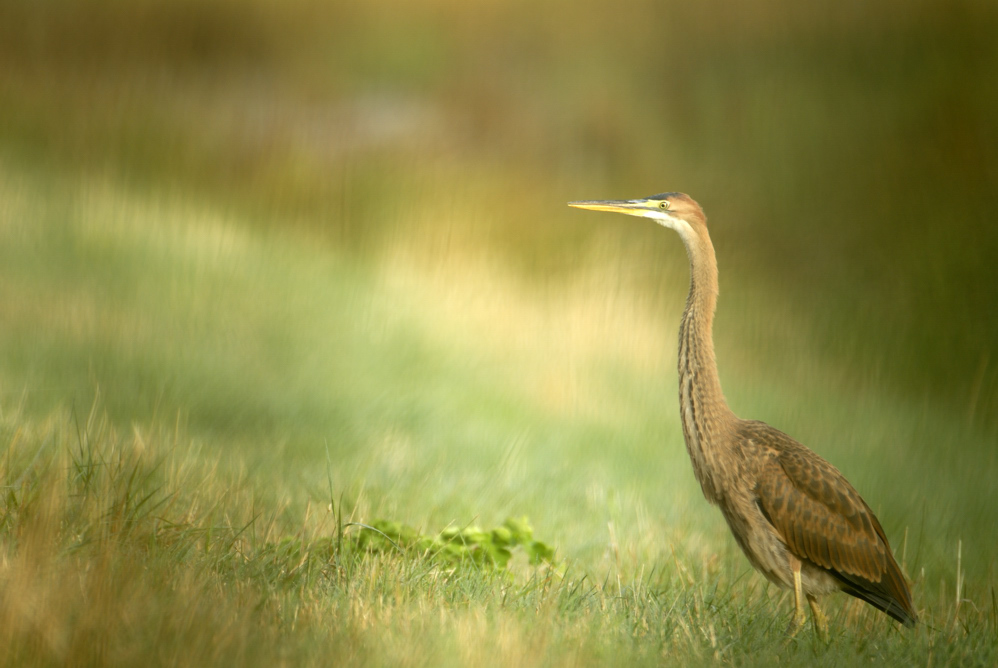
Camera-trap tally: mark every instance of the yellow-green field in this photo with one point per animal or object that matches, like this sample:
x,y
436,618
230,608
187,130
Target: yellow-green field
x,y
270,275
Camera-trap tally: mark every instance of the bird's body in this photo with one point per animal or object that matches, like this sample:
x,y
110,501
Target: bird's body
x,y
798,520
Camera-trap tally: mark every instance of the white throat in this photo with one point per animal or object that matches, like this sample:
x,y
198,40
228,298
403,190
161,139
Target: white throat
x,y
665,219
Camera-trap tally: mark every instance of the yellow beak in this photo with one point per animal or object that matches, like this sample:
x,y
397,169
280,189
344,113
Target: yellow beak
x,y
632,207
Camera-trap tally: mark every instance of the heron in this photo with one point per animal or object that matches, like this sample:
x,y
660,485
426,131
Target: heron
x,y
794,515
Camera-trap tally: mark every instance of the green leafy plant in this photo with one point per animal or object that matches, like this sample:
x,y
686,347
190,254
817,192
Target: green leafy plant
x,y
457,545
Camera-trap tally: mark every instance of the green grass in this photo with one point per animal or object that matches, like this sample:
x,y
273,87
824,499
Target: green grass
x,y
197,414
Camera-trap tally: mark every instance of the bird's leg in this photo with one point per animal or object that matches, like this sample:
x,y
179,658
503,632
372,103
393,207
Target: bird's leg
x,y
798,619
818,617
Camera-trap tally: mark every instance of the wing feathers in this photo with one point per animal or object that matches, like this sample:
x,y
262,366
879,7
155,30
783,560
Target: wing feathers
x,y
823,519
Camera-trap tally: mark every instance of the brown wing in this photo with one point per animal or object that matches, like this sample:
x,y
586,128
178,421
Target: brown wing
x,y
824,520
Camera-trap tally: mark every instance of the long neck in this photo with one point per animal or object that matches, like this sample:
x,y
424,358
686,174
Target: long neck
x,y
706,418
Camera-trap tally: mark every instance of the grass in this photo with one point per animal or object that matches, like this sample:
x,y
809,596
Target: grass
x,y
197,415
135,549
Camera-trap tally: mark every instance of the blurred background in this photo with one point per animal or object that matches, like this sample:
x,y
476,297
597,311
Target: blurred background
x,y
846,156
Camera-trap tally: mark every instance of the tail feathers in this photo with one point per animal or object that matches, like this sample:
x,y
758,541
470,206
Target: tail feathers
x,y
891,597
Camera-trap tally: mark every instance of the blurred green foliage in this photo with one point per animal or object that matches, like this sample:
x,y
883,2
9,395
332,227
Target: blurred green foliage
x,y
847,154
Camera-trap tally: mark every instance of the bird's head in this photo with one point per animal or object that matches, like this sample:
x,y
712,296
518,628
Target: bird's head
x,y
673,210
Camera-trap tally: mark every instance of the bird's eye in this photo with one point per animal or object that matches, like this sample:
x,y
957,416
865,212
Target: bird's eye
x,y
664,204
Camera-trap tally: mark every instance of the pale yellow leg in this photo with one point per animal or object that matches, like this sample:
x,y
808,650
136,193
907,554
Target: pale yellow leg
x,y
798,619
819,618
